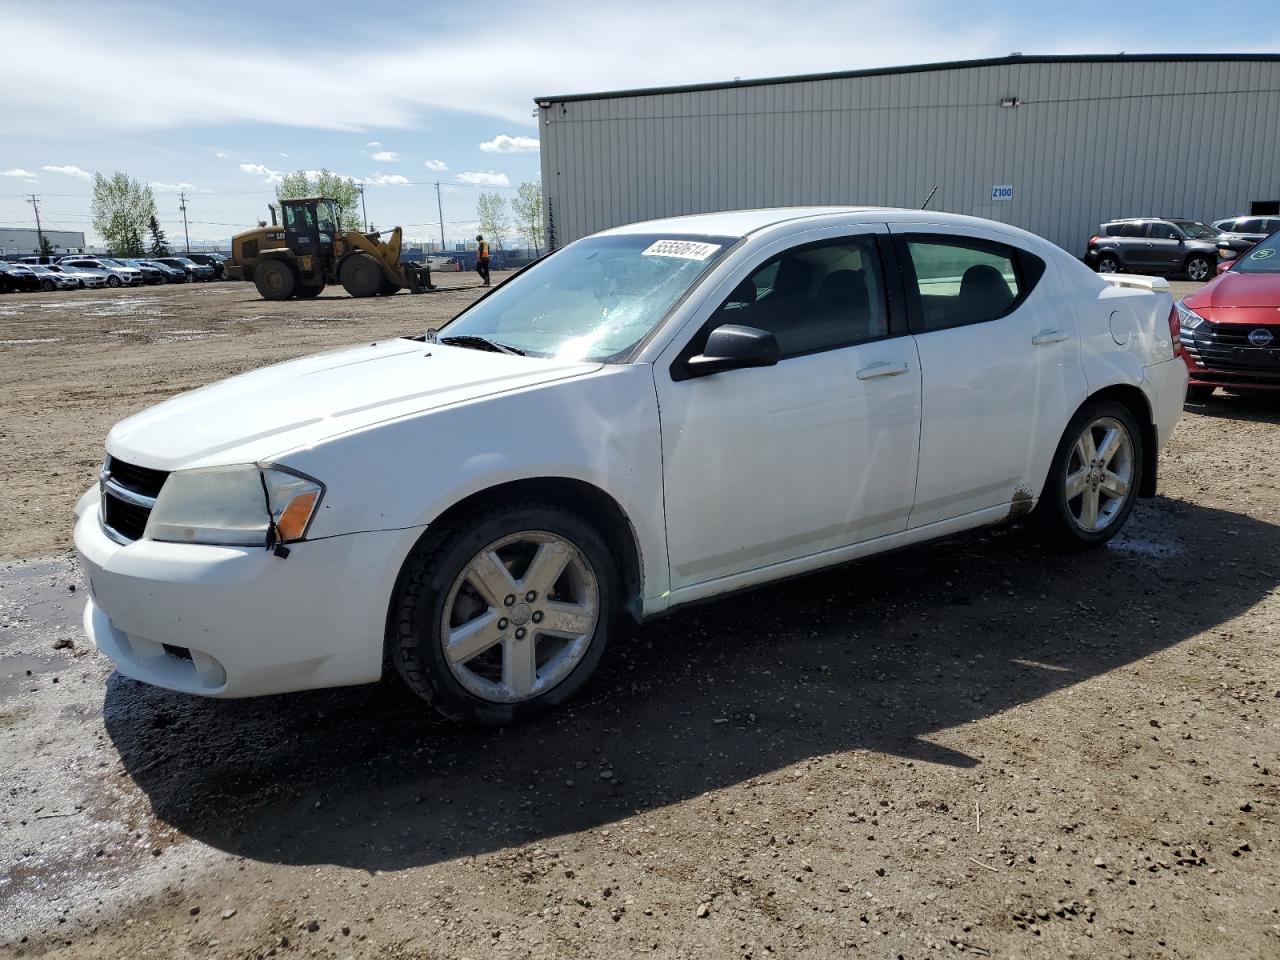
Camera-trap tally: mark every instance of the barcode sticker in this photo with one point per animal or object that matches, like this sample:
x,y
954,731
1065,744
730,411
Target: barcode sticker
x,y
684,249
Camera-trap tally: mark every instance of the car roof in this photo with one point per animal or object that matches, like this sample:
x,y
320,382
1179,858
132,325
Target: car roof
x,y
740,223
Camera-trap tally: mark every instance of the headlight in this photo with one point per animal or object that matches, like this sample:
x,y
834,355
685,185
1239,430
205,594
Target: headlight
x,y
1188,319
243,506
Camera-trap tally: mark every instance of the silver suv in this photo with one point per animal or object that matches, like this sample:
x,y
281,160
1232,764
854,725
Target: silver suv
x,y
1164,245
115,274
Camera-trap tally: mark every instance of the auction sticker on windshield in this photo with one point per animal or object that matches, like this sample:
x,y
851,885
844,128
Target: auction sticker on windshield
x,y
684,249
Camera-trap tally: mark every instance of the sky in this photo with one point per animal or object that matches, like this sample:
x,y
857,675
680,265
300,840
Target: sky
x,y
219,100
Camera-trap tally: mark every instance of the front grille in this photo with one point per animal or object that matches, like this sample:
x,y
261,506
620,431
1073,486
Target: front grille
x,y
128,494
1221,346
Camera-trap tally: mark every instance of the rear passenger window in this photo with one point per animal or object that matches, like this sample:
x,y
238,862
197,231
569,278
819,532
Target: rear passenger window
x,y
961,280
1132,230
816,297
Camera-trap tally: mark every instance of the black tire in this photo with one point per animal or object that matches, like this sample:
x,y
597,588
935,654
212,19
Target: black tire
x,y
274,280
388,288
46,285
306,293
1107,263
1053,517
113,281
1199,392
1199,268
360,275
414,632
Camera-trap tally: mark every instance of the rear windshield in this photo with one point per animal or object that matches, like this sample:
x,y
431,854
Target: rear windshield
x,y
1263,258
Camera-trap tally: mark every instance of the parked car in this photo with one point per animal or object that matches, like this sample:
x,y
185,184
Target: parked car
x,y
116,274
210,260
1230,328
720,401
149,273
1155,245
194,271
93,279
169,273
51,279
442,264
1240,233
17,278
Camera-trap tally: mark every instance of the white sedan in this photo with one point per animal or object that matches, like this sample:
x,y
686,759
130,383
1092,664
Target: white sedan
x,y
653,415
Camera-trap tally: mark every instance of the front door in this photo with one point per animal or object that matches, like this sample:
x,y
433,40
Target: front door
x,y
999,358
812,454
1164,245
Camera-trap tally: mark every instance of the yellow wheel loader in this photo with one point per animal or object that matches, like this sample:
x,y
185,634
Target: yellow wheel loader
x,y
298,257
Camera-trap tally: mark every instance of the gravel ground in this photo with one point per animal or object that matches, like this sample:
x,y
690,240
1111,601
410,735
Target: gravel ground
x,y
974,747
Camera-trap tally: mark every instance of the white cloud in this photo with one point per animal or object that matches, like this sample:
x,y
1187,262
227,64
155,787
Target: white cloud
x,y
70,169
386,180
484,178
268,175
435,166
385,156
505,144
373,145
19,173
160,187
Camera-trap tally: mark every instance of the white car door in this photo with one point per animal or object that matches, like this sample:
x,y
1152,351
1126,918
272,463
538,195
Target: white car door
x,y
1000,367
818,451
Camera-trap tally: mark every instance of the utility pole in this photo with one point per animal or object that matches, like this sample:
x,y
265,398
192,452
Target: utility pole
x,y
35,204
185,233
440,210
363,211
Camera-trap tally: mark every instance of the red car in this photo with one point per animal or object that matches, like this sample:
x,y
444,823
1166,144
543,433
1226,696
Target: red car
x,y
1230,327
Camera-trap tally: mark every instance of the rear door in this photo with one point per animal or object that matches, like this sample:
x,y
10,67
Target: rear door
x,y
1131,240
999,365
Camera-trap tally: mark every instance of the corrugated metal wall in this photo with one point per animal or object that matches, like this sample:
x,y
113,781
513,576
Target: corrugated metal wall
x,y
1091,141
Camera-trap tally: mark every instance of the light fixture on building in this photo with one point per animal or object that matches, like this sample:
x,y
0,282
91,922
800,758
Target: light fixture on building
x,y
1010,102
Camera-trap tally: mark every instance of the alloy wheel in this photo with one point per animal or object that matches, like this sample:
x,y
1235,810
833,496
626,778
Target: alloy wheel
x,y
1099,474
1106,265
520,616
1198,269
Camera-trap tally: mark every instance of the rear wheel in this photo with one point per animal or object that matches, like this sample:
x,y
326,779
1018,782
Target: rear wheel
x,y
274,280
1094,479
360,275
1199,392
306,293
504,614
1199,269
1107,263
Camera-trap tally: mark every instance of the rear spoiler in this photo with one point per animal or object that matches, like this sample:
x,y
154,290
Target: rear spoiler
x,y
1132,280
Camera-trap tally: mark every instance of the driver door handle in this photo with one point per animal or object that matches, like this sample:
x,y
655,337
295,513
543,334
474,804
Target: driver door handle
x,y
882,370
1048,336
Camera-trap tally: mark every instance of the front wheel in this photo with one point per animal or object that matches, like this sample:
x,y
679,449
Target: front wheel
x,y
46,285
1094,478
113,281
1199,269
360,275
504,614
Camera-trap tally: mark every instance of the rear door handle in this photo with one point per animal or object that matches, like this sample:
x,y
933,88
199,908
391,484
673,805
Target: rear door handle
x,y
882,370
1048,336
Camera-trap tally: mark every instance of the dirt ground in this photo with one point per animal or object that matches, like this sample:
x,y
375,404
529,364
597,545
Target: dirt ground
x,y
977,747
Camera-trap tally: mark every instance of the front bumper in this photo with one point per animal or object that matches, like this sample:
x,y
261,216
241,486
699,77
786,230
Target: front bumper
x,y
239,622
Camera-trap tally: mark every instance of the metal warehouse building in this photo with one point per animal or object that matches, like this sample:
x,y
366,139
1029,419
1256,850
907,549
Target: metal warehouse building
x,y
21,240
1055,144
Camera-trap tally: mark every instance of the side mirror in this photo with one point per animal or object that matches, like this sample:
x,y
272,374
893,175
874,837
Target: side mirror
x,y
732,346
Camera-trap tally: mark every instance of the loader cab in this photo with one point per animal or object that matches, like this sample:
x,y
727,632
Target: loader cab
x,y
310,225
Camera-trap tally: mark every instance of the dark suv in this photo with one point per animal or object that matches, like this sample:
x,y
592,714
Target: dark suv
x,y
1241,233
1155,245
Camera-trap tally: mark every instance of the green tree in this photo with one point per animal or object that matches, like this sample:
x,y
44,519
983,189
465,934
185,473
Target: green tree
x,y
122,209
159,242
324,183
527,207
491,211
46,248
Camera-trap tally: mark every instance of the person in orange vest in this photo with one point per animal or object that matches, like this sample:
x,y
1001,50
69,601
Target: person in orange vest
x,y
482,258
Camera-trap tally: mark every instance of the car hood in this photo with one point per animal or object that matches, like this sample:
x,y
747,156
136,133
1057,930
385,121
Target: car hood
x,y
263,414
1239,298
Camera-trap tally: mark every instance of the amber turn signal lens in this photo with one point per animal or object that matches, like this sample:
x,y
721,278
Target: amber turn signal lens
x,y
293,521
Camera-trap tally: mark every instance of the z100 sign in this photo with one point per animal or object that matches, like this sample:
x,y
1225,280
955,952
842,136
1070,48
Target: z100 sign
x,y
1002,192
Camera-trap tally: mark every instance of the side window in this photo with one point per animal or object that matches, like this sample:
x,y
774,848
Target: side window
x,y
963,280
1163,231
816,297
1133,230
1111,230
1250,226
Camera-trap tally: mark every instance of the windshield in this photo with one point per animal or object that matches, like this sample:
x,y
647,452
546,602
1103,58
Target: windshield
x,y
1196,230
593,300
1264,257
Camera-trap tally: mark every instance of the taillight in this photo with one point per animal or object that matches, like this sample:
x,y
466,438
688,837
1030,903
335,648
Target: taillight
x,y
1175,333
1093,241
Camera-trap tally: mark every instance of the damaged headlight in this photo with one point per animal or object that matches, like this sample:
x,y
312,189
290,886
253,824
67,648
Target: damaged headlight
x,y
240,506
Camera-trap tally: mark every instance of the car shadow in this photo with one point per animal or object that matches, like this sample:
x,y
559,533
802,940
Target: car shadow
x,y
1255,407
882,656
